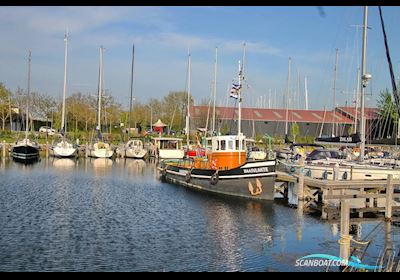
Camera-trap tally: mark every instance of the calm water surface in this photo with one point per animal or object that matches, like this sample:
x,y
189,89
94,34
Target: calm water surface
x,y
103,215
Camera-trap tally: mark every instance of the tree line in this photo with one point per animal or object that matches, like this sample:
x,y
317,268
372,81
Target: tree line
x,y
81,110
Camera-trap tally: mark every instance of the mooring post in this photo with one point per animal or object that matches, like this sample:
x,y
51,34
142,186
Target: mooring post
x,y
87,150
389,197
345,238
300,182
4,149
47,149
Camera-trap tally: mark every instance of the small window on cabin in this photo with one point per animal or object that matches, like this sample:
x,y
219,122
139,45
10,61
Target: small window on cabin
x,y
230,145
237,144
218,145
223,145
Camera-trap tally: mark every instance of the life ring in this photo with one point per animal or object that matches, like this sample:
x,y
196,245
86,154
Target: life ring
x,y
188,176
214,178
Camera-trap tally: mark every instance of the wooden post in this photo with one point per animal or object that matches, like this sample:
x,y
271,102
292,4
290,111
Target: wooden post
x,y
300,183
344,229
389,197
47,149
361,214
4,149
87,150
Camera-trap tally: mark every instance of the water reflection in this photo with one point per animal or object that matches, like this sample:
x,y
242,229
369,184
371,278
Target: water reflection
x,y
64,163
103,215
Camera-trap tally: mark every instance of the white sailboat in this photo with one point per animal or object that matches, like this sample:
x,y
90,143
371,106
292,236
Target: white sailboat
x,y
26,150
134,147
100,149
64,148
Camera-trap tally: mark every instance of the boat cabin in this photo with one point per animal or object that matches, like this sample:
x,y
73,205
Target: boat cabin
x,y
170,148
227,152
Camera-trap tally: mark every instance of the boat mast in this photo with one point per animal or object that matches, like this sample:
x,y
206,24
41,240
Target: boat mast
x,y
100,89
215,89
188,105
306,92
364,80
63,128
239,109
287,99
27,95
356,105
334,126
130,103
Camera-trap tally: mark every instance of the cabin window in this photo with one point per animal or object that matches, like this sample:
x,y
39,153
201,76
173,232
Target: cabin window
x,y
230,145
237,144
218,145
223,145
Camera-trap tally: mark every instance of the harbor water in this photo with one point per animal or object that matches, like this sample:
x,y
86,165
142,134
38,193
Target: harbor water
x,y
104,215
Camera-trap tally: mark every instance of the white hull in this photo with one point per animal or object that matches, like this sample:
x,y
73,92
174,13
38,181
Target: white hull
x,y
171,154
135,153
64,149
347,171
101,153
101,150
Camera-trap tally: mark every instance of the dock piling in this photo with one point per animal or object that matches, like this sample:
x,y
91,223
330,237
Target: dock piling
x,y
4,149
47,149
300,183
389,197
87,150
345,238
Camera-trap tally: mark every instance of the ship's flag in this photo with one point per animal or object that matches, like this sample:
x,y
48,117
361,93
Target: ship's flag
x,y
234,93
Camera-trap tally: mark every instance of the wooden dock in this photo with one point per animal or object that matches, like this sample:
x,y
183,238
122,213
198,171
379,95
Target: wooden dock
x,y
325,196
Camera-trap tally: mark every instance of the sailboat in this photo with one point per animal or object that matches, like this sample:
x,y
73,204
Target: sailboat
x,y
64,148
100,149
134,147
225,169
26,150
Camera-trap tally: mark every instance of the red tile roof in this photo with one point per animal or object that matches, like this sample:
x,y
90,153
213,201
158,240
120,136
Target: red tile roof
x,y
370,113
277,115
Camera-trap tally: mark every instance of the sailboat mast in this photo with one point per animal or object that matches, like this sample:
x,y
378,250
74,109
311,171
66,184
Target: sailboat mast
x,y
63,128
215,88
27,95
100,89
363,84
130,103
239,109
287,99
188,104
306,93
356,100
334,127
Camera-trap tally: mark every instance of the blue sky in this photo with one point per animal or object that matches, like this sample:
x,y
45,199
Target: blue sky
x,y
162,36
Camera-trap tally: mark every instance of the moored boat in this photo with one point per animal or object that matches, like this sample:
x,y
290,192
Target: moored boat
x,y
224,171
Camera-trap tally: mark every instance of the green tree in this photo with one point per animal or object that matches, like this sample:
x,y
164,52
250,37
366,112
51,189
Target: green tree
x,y
387,112
295,129
5,105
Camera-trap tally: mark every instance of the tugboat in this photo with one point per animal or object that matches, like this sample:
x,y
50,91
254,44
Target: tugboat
x,y
224,170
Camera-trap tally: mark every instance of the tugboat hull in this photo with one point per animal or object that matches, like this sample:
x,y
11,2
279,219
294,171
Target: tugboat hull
x,y
253,180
